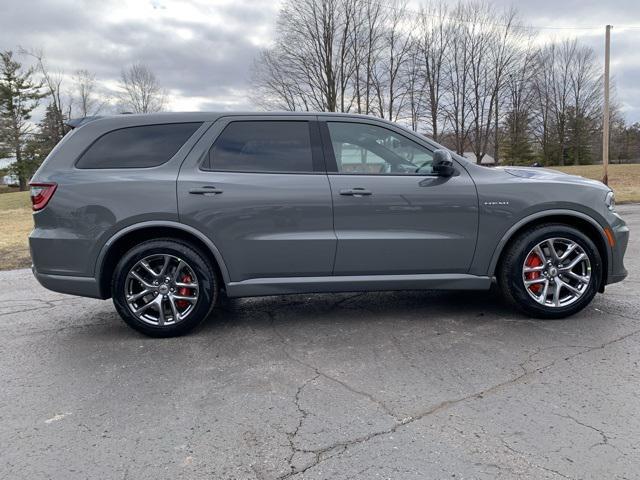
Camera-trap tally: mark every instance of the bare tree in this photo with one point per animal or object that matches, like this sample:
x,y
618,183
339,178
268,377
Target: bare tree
x,y
433,47
141,91
86,101
543,98
273,88
568,93
367,34
397,44
315,58
492,51
457,83
60,102
414,85
519,106
561,57
586,103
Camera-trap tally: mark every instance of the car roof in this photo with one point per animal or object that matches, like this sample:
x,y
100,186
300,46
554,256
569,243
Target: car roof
x,y
176,117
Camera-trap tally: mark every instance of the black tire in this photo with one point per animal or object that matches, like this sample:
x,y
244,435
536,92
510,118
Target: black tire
x,y
198,263
510,273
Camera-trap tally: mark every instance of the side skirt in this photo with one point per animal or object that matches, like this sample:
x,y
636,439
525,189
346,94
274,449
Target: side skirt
x,y
256,287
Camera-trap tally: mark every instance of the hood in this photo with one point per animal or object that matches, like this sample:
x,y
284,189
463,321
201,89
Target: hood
x,y
536,173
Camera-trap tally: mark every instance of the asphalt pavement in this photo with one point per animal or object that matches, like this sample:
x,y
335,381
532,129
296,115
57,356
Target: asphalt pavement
x,y
400,385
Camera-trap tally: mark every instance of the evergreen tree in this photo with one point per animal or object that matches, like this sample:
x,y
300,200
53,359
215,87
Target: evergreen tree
x,y
516,142
19,96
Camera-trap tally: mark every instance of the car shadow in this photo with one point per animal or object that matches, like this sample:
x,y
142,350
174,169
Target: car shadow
x,y
472,307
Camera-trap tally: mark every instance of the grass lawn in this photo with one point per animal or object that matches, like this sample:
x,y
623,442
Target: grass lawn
x,y
16,221
15,225
623,179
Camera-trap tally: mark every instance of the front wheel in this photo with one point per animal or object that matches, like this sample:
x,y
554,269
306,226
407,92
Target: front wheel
x,y
164,288
551,271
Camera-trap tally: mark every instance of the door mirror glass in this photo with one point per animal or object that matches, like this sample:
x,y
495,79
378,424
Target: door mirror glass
x,y
443,163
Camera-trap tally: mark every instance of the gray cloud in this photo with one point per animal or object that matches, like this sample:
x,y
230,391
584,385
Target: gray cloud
x,y
208,57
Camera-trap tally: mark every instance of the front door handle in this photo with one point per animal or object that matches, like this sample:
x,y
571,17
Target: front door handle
x,y
206,190
355,192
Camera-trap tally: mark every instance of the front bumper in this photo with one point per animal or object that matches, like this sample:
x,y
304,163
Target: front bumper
x,y
617,271
81,286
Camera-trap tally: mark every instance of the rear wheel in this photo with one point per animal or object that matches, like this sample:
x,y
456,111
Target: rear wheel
x,y
551,271
164,288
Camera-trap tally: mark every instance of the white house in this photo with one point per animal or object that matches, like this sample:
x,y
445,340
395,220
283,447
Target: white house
x,y
486,160
7,179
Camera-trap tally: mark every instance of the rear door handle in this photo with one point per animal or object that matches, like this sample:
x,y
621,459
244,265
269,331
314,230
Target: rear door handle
x,y
355,192
206,190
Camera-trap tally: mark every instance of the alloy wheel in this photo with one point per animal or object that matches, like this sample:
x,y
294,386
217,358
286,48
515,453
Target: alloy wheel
x,y
556,272
161,290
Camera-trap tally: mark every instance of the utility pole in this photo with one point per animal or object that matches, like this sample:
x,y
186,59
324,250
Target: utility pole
x,y
605,120
496,139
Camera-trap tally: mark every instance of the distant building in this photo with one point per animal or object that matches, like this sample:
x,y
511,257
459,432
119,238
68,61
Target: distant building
x,y
7,179
486,160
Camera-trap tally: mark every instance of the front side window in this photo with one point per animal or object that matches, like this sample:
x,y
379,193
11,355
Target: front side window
x,y
371,150
137,147
262,147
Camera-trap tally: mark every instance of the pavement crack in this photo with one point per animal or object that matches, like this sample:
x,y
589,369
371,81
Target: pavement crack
x,y
302,415
321,373
605,439
526,457
321,454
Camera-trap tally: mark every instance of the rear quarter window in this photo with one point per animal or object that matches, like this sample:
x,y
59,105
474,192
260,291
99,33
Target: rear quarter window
x,y
137,147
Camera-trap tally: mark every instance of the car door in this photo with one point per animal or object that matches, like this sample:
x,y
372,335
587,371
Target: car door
x,y
257,187
392,215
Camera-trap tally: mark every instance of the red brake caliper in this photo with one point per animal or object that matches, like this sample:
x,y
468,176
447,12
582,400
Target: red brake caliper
x,y
533,261
184,291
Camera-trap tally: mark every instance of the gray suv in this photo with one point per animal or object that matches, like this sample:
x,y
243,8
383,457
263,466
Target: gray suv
x,y
167,212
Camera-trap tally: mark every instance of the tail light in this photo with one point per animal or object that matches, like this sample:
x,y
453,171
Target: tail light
x,y
41,193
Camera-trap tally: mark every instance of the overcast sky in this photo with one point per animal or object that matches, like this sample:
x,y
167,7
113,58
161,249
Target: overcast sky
x,y
202,50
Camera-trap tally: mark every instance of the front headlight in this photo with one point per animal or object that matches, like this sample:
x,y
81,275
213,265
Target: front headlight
x,y
610,200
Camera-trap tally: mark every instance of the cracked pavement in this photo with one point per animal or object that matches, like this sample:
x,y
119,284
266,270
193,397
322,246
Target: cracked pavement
x,y
400,385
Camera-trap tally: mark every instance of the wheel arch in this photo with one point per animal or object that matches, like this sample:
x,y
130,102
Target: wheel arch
x,y
126,238
586,224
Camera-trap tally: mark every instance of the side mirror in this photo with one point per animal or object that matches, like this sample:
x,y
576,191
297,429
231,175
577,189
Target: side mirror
x,y
443,163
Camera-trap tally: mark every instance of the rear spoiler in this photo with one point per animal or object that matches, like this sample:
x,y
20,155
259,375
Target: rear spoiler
x,y
77,122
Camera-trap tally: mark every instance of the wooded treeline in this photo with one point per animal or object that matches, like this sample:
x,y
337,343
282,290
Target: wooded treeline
x,y
470,76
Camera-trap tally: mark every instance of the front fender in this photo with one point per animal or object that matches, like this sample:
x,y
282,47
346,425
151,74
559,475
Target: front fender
x,y
534,217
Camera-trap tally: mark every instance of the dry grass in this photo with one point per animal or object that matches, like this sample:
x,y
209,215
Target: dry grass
x,y
15,225
623,179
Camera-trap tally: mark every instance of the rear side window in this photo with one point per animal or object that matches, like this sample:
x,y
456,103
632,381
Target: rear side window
x,y
137,147
262,146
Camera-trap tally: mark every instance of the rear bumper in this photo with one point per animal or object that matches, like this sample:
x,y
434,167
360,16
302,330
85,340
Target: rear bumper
x,y
81,286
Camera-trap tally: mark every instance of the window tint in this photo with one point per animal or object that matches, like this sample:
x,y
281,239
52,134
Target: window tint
x,y
263,146
370,150
137,147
